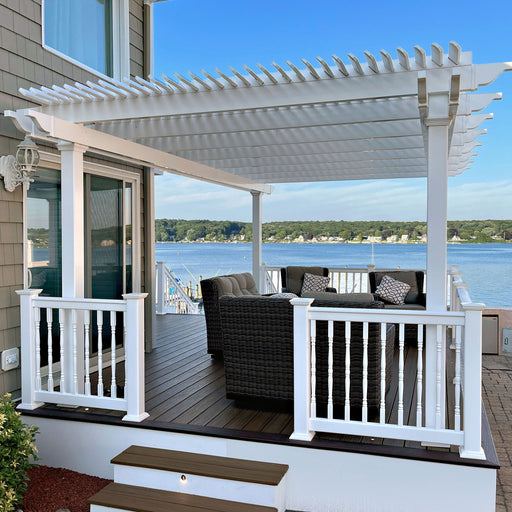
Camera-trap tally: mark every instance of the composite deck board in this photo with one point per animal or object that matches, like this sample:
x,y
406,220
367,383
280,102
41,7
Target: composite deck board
x,y
186,386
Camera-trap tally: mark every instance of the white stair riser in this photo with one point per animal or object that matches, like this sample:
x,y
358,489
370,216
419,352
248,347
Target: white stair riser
x,y
101,508
230,490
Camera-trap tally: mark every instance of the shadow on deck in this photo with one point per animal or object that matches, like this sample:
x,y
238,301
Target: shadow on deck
x,y
185,392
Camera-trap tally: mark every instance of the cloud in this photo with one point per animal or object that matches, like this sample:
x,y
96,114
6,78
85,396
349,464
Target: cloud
x,y
394,200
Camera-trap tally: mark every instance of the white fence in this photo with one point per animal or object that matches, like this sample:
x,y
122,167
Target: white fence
x,y
83,342
170,295
430,424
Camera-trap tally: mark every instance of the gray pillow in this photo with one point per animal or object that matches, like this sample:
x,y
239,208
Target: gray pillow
x,y
392,290
314,283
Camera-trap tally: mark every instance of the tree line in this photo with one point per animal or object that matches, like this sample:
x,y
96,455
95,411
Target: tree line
x,y
179,230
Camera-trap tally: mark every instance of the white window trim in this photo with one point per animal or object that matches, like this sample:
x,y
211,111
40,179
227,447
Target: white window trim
x,y
53,161
120,43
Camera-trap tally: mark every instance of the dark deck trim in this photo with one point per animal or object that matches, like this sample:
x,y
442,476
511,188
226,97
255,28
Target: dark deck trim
x,y
419,454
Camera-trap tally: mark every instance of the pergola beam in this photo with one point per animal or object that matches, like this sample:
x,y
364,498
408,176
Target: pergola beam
x,y
61,130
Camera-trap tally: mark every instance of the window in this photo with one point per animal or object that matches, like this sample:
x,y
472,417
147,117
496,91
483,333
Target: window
x,y
91,33
44,233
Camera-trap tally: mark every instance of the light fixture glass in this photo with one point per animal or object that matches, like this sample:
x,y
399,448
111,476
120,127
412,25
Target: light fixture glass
x,y
20,169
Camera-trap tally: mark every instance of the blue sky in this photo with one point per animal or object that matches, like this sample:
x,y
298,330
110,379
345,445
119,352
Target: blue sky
x,y
196,34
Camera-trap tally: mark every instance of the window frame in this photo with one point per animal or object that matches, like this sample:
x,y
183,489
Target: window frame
x,y
120,42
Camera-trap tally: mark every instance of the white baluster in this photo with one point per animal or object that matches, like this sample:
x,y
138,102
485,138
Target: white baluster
x,y
365,372
347,371
419,379
401,375
75,352
457,379
99,323
61,344
330,336
49,313
124,348
313,367
383,373
113,388
37,317
87,324
439,372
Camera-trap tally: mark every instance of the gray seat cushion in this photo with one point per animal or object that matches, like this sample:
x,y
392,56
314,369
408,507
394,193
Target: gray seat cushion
x,y
405,307
236,285
363,298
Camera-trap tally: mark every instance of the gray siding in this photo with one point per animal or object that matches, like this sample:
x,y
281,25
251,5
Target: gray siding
x,y
25,63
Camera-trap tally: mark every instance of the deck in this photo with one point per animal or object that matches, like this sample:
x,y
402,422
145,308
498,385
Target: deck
x,y
185,393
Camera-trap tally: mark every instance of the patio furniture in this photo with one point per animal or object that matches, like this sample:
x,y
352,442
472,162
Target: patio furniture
x,y
415,299
292,278
258,351
212,290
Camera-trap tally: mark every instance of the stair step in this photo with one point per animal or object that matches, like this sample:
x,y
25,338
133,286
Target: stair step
x,y
265,473
142,499
222,478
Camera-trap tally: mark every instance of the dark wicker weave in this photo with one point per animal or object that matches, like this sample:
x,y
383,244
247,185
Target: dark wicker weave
x,y
258,352
212,290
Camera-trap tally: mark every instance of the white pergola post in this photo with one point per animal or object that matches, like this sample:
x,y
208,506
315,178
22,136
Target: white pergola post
x,y
437,122
257,240
73,271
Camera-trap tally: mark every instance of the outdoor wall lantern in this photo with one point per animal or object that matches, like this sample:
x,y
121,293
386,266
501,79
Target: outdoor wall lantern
x,y
20,169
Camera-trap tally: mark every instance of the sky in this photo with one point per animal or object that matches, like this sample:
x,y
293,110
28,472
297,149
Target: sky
x,y
196,34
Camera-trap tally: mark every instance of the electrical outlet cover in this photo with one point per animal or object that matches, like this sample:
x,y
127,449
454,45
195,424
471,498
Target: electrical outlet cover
x,y
10,359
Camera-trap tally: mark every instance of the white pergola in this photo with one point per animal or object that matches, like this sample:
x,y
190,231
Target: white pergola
x,y
346,120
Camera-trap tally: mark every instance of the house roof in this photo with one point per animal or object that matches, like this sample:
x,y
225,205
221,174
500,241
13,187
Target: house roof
x,y
344,120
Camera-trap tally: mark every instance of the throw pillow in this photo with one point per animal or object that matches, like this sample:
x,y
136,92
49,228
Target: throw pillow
x,y
314,283
38,278
392,290
285,295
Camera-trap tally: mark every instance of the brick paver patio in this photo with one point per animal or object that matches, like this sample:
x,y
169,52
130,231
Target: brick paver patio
x,y
497,395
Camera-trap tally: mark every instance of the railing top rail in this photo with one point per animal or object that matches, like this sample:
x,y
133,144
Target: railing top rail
x,y
80,304
388,316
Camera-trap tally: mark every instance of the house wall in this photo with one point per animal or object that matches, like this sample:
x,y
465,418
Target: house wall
x,y
25,63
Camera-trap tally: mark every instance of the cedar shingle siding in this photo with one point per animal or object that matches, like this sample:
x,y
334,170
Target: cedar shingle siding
x,y
25,63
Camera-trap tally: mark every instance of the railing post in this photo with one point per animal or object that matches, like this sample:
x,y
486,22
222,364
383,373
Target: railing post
x,y
472,382
134,354
161,287
28,350
301,370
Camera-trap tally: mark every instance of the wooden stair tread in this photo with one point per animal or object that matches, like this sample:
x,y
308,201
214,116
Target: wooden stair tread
x,y
143,499
204,465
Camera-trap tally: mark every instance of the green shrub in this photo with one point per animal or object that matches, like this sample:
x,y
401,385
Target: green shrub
x,y
16,448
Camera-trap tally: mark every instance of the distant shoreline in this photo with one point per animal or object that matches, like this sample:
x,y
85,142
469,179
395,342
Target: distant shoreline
x,y
289,242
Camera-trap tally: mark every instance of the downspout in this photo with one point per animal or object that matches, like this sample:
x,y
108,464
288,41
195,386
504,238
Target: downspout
x,y
149,197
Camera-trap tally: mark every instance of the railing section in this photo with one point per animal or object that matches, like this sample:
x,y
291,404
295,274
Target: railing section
x,y
83,352
347,372
170,296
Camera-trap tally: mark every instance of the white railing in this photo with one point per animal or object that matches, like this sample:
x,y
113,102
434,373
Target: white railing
x,y
344,279
350,280
170,295
93,350
429,425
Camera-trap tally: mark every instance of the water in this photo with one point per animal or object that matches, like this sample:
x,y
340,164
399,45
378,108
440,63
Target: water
x,y
487,268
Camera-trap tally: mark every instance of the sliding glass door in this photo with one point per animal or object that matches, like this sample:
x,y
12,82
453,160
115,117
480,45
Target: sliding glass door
x,y
108,237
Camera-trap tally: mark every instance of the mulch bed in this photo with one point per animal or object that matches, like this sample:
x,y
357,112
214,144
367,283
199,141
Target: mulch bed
x,y
51,489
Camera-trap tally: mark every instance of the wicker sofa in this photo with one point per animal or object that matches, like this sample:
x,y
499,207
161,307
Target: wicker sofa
x,y
258,350
234,285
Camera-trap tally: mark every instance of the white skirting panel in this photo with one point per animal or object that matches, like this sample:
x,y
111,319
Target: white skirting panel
x,y
318,480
